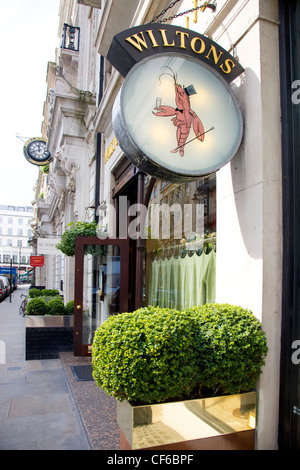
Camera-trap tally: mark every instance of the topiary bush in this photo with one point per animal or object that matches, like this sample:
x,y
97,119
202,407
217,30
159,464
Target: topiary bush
x,y
145,356
33,293
231,347
155,355
56,307
69,308
49,292
37,307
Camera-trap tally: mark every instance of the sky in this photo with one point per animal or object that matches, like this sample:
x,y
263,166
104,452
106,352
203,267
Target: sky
x,y
28,38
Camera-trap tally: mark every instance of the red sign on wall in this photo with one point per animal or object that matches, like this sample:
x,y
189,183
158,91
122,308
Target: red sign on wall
x,y
36,261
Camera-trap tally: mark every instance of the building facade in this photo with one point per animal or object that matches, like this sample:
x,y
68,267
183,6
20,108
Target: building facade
x,y
15,232
247,210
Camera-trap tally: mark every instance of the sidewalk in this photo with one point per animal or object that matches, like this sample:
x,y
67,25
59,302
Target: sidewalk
x,y
42,405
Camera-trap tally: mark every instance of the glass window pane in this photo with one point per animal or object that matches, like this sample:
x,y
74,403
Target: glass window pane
x,y
180,264
101,288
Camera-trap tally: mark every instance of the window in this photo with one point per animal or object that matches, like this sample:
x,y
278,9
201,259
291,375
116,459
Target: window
x,y
181,249
9,231
10,220
20,221
19,243
20,232
9,242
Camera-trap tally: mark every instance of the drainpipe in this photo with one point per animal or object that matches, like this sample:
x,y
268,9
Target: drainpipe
x,y
99,141
97,176
140,247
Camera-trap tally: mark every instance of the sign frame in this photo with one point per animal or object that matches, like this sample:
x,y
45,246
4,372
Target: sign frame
x,y
132,45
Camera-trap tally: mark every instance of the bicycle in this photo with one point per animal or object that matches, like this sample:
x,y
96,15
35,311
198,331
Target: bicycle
x,y
23,305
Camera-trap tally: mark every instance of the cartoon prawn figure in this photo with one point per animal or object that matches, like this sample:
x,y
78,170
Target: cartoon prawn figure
x,y
184,115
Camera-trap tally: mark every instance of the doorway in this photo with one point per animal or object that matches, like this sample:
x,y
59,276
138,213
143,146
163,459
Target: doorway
x,y
101,286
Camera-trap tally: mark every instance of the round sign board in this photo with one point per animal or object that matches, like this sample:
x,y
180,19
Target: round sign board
x,y
176,118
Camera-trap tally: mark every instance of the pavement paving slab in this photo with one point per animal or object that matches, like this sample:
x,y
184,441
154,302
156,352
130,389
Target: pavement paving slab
x,y
43,406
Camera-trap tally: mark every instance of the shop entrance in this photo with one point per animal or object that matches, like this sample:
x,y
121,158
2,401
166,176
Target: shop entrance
x,y
101,286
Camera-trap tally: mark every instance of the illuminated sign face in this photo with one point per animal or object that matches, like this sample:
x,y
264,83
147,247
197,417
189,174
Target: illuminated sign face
x,y
175,117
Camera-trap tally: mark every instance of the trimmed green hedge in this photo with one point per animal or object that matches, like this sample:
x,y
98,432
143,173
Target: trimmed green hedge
x,y
56,307
37,306
231,345
69,308
47,304
155,355
142,355
33,293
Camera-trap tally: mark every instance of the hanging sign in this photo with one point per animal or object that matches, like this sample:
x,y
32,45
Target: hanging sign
x,y
47,246
175,117
35,151
37,261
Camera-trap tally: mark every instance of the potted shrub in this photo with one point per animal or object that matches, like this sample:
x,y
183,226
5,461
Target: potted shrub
x,y
69,308
37,306
198,366
56,306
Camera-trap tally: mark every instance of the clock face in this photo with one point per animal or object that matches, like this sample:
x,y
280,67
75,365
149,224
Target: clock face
x,y
177,119
35,151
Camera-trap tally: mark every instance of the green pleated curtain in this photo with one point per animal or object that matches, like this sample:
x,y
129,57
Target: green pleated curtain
x,y
180,283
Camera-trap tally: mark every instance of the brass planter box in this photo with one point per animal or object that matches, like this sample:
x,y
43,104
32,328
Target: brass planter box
x,y
182,425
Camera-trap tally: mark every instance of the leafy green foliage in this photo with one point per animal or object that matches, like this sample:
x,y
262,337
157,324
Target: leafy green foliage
x,y
56,306
34,293
77,229
37,306
154,354
146,355
53,301
231,347
69,308
49,292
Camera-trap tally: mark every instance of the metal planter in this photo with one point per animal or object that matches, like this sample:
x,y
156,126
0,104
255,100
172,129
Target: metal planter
x,y
222,422
47,336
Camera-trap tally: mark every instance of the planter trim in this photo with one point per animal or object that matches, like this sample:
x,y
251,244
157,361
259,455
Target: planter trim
x,y
46,321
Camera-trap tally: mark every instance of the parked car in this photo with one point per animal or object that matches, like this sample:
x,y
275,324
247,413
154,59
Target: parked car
x,y
2,290
6,285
